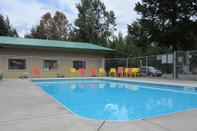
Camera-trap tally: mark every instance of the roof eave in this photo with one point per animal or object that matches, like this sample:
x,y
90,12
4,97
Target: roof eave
x,y
50,47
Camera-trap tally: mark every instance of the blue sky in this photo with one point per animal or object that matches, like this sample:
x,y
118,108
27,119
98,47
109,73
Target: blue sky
x,y
23,14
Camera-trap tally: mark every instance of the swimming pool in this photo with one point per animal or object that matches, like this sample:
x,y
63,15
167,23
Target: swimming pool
x,y
106,99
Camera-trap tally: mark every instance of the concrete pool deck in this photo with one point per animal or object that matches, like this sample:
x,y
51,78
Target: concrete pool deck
x,y
25,107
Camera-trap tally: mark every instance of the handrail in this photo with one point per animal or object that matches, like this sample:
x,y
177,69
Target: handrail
x,y
25,73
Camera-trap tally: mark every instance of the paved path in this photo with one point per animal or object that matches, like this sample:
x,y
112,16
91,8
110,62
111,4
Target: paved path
x,y
25,107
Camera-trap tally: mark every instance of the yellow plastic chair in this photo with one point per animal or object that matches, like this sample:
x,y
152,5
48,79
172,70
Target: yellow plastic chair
x,y
102,72
112,71
73,72
137,71
127,71
134,72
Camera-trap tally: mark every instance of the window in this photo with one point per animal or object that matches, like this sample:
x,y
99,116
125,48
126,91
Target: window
x,y
79,64
50,64
17,64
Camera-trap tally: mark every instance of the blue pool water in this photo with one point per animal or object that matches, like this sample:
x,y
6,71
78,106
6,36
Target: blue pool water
x,y
118,101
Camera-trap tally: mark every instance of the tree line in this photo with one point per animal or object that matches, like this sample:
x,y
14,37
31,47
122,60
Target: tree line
x,y
164,27
6,29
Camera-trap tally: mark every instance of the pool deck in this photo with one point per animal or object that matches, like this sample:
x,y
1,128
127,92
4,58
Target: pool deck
x,y
25,107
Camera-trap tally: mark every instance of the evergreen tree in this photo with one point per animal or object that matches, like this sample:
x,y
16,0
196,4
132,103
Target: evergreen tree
x,y
5,28
169,23
94,24
2,25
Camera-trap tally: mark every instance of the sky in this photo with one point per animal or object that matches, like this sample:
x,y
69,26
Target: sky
x,y
23,14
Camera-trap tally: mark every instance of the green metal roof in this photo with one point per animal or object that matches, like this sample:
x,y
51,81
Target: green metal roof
x,y
40,43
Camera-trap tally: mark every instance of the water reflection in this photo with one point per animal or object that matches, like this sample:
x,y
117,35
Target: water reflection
x,y
52,89
112,85
101,85
73,86
118,113
81,85
93,85
120,86
134,88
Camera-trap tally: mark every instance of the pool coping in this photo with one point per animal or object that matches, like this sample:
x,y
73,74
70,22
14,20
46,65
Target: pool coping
x,y
122,80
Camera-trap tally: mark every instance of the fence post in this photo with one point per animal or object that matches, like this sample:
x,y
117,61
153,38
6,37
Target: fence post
x,y
31,68
127,62
146,65
0,62
188,64
174,61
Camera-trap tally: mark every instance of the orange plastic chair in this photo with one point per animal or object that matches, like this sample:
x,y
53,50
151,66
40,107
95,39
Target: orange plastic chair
x,y
81,71
93,72
120,71
36,71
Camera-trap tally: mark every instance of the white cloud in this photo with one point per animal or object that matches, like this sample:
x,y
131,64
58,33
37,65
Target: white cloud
x,y
23,14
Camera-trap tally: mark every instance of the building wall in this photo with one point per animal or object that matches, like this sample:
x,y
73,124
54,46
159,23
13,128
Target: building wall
x,y
35,58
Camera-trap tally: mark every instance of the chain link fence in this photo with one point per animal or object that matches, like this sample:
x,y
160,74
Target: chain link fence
x,y
177,65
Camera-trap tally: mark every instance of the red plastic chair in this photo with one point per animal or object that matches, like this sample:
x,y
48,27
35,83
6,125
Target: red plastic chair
x,y
120,71
93,72
36,71
81,71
